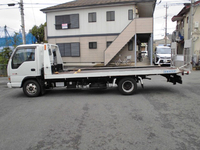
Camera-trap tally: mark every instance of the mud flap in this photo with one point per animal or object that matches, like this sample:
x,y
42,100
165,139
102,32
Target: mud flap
x,y
173,78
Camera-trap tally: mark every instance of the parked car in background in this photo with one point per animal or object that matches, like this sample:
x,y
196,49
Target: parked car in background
x,y
162,55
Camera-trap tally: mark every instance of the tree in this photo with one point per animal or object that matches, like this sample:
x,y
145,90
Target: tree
x,y
5,55
16,40
38,32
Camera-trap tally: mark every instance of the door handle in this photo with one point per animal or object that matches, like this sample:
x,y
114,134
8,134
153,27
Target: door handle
x,y
33,69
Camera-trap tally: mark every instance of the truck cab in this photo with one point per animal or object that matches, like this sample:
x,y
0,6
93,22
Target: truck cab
x,y
27,62
162,55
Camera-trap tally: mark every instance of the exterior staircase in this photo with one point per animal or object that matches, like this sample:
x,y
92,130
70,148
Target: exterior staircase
x,y
140,25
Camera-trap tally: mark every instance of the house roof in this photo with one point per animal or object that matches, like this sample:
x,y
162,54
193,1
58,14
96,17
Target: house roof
x,y
184,11
86,3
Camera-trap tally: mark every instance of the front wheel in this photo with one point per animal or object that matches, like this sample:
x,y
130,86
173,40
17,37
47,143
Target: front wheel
x,y
31,88
127,86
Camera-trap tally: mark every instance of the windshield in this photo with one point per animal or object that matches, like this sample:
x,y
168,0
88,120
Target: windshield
x,y
21,55
163,50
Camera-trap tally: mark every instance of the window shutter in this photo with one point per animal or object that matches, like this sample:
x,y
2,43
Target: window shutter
x,y
92,17
92,45
59,21
74,21
61,48
66,19
110,15
130,14
67,49
75,49
109,43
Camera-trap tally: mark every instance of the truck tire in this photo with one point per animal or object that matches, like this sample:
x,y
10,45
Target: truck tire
x,y
127,86
31,88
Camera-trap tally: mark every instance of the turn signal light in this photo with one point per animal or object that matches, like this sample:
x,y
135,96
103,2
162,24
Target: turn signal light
x,y
9,79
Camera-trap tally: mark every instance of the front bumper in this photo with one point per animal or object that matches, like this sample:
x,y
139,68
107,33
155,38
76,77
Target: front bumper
x,y
9,85
163,62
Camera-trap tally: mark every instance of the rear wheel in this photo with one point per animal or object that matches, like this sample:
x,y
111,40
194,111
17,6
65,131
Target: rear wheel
x,y
31,88
127,86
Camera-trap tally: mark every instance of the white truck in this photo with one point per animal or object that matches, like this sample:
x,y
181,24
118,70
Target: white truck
x,y
38,67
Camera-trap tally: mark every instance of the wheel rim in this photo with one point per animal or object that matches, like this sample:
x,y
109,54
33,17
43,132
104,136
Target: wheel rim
x,y
127,86
31,88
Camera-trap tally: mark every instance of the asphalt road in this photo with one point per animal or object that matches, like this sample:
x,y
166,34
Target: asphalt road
x,y
162,116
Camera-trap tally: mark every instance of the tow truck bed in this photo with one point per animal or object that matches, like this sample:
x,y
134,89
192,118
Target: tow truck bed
x,y
114,71
40,73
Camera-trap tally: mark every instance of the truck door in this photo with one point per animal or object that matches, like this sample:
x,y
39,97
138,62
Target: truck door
x,y
23,64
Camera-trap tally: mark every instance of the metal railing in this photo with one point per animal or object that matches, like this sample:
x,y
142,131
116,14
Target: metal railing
x,y
3,70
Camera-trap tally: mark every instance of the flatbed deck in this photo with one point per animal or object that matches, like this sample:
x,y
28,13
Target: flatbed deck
x,y
114,71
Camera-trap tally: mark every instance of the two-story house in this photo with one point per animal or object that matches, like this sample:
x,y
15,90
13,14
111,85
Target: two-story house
x,y
90,32
185,31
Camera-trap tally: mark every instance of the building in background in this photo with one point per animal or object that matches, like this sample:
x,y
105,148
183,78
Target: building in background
x,y
181,34
90,32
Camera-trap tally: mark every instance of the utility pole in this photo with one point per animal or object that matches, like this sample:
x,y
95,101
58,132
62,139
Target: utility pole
x,y
166,24
21,6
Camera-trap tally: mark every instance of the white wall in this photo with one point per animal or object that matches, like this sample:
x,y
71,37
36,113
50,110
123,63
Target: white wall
x,y
100,27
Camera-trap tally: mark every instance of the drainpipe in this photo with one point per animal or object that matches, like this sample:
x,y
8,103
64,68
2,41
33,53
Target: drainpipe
x,y
190,29
151,49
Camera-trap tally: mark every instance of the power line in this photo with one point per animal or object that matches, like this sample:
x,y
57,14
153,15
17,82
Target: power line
x,y
33,12
18,8
15,1
33,3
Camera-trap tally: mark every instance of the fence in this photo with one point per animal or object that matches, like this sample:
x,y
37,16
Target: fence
x,y
3,70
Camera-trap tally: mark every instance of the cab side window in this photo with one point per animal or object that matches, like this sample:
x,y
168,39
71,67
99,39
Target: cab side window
x,y
22,55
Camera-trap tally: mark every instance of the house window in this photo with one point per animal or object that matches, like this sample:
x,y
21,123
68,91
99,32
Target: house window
x,y
182,23
187,19
110,15
67,21
108,43
130,14
69,49
130,45
92,45
92,17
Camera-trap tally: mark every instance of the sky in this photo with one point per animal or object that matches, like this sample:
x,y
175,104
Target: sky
x,y
10,15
